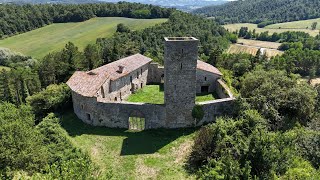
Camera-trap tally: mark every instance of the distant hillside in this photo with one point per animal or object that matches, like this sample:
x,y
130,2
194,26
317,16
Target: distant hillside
x,y
49,1
266,11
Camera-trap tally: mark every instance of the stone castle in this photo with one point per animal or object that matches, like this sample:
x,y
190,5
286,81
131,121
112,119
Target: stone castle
x,y
99,96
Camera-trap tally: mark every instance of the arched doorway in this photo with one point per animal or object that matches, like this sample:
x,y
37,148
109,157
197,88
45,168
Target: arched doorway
x,y
136,121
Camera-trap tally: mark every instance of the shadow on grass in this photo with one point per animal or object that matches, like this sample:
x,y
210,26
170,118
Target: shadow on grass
x,y
144,142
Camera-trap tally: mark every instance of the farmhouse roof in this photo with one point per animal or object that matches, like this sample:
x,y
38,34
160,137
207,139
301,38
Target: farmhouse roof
x,y
88,83
208,67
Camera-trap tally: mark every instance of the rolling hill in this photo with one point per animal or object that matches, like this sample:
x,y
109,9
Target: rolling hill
x,y
39,42
257,11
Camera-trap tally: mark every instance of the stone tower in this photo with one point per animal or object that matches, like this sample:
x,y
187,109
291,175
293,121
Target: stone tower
x,y
180,62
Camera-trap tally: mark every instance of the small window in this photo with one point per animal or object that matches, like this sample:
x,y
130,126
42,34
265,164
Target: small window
x,y
82,106
175,87
141,85
138,74
181,50
115,99
181,66
130,78
205,78
141,71
88,117
102,92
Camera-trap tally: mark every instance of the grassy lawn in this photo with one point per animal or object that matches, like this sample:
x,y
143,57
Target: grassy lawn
x,y
205,97
234,27
151,154
153,94
39,42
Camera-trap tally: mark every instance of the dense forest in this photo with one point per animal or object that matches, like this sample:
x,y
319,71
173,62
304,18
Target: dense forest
x,y
16,19
263,11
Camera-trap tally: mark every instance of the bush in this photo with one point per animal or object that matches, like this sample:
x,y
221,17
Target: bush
x,y
197,112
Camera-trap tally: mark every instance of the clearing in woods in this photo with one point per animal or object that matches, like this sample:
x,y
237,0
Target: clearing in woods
x,y
124,154
234,27
39,42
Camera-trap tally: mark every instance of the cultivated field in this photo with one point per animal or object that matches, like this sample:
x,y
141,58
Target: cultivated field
x,y
262,44
234,27
238,48
39,42
123,154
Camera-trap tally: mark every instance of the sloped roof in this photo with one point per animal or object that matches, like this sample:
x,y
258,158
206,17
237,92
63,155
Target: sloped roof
x,y
88,83
208,67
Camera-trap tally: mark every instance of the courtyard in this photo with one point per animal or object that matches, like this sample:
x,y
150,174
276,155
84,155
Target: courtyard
x,y
154,94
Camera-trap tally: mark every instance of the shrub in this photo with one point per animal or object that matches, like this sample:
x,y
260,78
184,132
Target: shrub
x,y
197,112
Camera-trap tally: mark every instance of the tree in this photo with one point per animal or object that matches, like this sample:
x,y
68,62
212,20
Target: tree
x,y
279,98
92,57
50,99
121,28
314,25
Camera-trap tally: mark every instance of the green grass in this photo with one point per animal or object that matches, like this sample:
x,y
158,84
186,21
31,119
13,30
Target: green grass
x,y
151,154
154,94
234,27
4,68
295,24
39,42
205,97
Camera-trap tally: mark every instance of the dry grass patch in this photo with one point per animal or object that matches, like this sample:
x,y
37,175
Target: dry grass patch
x,y
263,44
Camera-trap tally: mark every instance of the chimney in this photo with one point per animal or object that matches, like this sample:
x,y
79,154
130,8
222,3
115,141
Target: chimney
x,y
121,69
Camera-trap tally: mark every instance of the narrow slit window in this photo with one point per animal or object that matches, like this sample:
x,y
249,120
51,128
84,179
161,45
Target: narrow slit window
x,y
181,50
181,66
205,78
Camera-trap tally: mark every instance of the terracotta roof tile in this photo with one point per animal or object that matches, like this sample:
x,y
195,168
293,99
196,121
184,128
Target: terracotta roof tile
x,y
208,67
88,83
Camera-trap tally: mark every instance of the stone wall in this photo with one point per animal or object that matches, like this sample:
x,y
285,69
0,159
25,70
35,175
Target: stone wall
x,y
216,108
155,73
223,90
116,115
205,78
119,89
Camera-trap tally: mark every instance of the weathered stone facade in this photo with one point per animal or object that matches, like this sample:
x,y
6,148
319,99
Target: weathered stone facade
x,y
99,95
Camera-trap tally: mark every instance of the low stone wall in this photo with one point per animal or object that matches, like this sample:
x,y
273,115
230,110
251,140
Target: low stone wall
x,y
116,115
223,90
216,108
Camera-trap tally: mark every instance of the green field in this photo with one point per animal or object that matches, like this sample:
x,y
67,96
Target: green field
x,y
305,24
234,27
151,154
154,94
39,42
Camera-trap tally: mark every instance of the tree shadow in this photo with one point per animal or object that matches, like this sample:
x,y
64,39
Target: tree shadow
x,y
143,142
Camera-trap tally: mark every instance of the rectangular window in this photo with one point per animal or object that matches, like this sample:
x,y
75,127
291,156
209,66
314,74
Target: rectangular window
x,y
88,117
